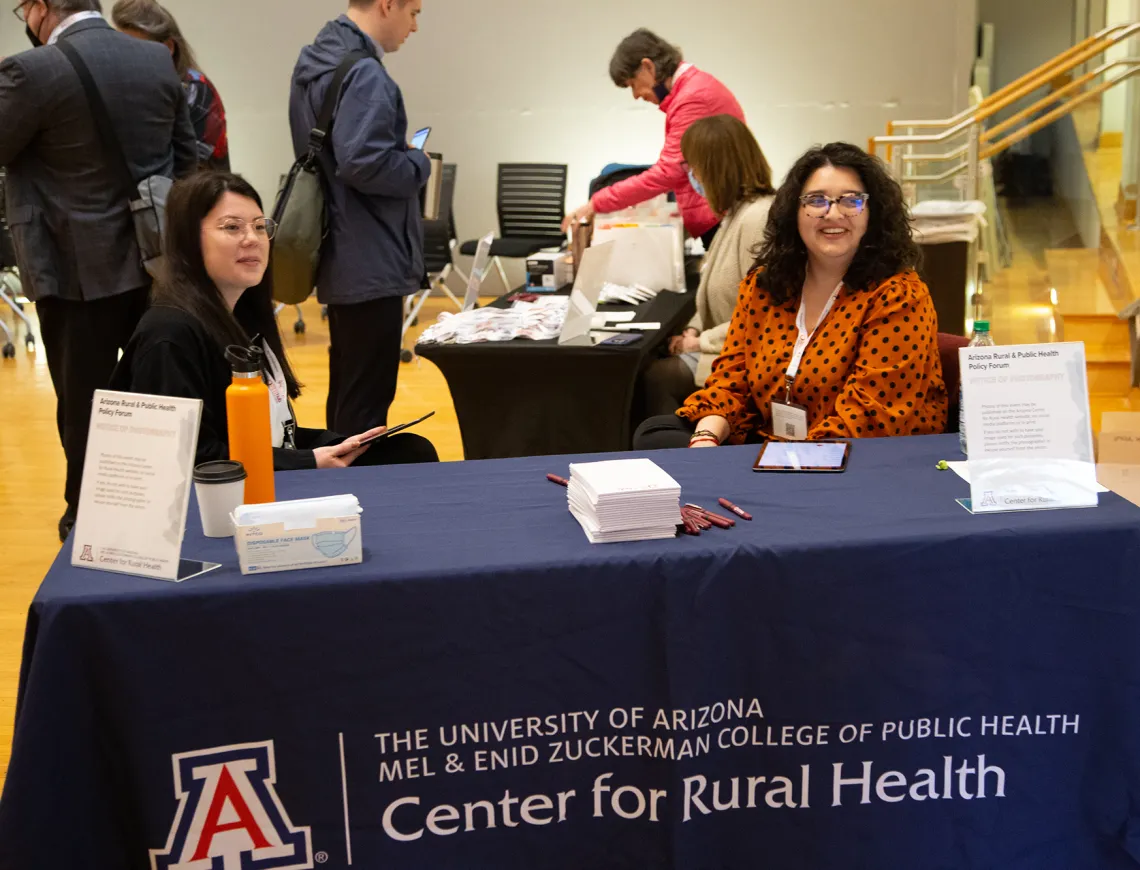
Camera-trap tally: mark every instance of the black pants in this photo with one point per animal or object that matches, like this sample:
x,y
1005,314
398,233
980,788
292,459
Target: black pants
x,y
668,382
82,341
668,431
401,449
364,363
663,433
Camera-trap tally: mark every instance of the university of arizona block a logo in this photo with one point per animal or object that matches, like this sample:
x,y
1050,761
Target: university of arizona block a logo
x,y
229,816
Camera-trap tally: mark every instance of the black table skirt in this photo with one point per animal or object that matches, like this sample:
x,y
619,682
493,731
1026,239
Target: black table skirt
x,y
535,398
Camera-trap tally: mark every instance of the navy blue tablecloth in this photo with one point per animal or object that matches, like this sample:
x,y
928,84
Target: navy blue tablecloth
x,y
866,676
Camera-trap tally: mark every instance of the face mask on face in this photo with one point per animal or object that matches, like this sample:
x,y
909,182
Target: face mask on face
x,y
32,38
660,91
697,186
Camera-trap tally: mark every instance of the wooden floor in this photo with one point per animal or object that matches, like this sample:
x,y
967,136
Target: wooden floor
x,y
32,467
1017,301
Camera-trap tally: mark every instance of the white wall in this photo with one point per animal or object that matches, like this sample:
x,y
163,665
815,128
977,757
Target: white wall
x,y
12,38
507,80
1026,34
1113,101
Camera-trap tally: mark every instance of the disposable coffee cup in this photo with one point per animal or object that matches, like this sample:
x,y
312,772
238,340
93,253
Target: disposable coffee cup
x,y
221,490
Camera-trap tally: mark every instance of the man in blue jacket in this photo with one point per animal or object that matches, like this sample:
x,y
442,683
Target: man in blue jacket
x,y
373,254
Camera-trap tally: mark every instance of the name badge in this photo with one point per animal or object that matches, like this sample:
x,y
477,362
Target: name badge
x,y
789,421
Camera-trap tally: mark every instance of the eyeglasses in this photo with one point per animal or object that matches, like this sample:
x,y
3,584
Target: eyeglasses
x,y
236,228
21,10
817,205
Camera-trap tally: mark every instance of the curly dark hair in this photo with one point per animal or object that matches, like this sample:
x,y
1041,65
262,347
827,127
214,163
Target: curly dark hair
x,y
886,249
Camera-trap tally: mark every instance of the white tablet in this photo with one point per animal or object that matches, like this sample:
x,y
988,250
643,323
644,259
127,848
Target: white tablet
x,y
803,456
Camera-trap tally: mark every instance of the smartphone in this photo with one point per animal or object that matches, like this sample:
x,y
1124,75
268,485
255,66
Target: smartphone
x,y
803,456
420,138
396,429
622,339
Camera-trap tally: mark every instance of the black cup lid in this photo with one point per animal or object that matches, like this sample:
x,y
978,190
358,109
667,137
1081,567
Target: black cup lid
x,y
220,471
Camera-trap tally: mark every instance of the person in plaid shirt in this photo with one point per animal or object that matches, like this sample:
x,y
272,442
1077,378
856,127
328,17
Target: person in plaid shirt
x,y
146,19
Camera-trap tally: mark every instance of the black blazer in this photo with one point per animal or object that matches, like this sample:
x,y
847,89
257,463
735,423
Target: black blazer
x,y
67,208
171,354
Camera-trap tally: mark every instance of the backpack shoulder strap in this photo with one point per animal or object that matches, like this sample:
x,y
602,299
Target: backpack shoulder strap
x,y
332,100
106,130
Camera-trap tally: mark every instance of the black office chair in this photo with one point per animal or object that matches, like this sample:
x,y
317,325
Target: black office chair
x,y
532,202
439,257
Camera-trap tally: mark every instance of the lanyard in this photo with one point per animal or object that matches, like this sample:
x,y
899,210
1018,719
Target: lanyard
x,y
280,414
803,339
70,20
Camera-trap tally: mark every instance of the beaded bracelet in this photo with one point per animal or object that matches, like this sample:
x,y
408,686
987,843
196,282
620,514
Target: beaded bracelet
x,y
705,433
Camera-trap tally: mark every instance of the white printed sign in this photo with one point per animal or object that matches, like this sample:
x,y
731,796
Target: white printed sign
x,y
584,297
1028,427
136,484
478,270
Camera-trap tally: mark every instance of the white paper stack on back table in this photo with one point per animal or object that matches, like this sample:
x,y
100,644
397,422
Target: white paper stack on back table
x,y
624,500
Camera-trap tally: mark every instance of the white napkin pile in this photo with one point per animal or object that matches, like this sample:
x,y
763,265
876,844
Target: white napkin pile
x,y
534,320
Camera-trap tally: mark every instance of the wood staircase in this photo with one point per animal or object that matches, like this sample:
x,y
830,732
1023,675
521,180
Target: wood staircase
x,y
1086,300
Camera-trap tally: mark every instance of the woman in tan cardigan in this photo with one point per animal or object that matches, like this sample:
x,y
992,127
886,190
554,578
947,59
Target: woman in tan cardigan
x,y
727,167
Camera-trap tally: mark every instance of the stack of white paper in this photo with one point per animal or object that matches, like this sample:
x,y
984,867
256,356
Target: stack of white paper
x,y
624,500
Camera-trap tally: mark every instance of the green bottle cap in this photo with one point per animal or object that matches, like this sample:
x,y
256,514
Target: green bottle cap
x,y
981,326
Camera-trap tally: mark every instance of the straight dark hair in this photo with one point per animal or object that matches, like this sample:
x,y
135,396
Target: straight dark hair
x,y
886,249
155,22
186,284
641,44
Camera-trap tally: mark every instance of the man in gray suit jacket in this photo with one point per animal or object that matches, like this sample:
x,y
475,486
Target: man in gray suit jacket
x,y
66,206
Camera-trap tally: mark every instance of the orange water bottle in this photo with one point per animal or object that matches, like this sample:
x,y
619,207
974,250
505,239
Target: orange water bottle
x,y
247,415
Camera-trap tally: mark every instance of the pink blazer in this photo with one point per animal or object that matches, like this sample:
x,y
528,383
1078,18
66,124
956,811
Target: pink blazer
x,y
695,95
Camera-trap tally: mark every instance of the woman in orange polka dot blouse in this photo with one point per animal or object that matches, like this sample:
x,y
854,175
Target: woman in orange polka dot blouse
x,y
836,268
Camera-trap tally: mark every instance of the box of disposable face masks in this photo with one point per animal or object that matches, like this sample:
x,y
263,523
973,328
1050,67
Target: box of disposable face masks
x,y
291,535
549,271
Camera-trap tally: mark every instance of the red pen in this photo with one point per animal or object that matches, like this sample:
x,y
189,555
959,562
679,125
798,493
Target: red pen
x,y
689,527
715,519
561,481
698,519
729,506
709,517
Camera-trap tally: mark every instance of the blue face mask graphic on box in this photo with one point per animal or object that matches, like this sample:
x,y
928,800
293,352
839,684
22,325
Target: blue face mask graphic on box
x,y
333,544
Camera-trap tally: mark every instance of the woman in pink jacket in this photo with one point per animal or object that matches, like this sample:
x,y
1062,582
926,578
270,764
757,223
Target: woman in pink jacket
x,y
656,72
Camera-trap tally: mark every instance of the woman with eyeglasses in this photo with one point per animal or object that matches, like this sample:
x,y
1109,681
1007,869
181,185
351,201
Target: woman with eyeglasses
x,y
834,335
217,291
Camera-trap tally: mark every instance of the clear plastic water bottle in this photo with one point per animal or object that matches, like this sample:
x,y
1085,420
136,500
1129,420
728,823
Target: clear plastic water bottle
x,y
982,338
